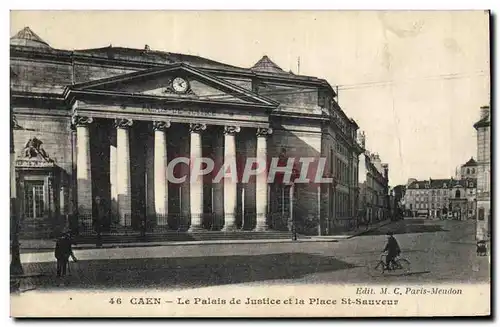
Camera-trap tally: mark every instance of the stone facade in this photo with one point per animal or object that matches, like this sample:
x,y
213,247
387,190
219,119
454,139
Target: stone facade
x,y
483,128
111,119
469,169
374,201
441,198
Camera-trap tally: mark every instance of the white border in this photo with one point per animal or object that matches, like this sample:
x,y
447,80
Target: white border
x,y
192,5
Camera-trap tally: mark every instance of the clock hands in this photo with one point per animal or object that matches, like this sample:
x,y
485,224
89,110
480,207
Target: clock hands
x,y
180,84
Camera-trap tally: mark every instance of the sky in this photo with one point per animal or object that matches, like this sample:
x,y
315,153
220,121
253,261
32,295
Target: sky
x,y
413,81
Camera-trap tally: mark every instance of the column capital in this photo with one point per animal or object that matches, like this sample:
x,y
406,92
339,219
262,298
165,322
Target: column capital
x,y
261,131
231,130
123,122
77,120
159,125
197,128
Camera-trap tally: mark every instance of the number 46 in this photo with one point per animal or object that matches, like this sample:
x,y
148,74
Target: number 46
x,y
117,301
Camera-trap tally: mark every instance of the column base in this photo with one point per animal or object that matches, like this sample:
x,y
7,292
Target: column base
x,y
261,224
229,228
196,223
261,228
161,219
229,223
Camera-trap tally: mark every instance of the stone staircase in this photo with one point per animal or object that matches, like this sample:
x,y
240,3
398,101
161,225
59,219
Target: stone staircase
x,y
129,236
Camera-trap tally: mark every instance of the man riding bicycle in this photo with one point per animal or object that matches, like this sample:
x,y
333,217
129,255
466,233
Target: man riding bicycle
x,y
392,249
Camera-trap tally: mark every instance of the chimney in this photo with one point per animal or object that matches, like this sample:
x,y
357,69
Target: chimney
x,y
485,110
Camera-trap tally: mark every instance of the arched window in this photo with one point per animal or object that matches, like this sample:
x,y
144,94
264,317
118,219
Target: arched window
x,y
473,170
468,171
457,194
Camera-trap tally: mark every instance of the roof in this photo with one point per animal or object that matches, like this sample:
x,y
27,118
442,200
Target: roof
x,y
267,65
442,183
470,163
430,184
28,38
153,55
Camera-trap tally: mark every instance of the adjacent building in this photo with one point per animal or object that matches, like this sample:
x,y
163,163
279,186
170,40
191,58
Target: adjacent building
x,y
374,198
483,128
463,199
398,193
98,127
439,198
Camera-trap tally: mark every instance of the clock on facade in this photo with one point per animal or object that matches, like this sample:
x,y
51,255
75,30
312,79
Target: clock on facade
x,y
180,85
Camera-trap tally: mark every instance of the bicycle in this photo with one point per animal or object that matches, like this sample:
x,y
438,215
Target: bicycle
x,y
380,267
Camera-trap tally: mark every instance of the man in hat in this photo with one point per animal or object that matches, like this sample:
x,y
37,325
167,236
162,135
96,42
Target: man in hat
x,y
392,248
62,253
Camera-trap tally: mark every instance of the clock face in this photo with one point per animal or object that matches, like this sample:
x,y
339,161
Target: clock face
x,y
180,84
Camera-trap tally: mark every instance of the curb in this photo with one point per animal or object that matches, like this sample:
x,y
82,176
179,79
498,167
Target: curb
x,y
373,228
346,237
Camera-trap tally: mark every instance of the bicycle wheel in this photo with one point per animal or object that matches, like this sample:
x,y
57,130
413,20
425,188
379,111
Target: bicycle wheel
x,y
404,265
376,268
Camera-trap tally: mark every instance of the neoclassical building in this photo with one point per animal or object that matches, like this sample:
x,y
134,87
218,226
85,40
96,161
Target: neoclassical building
x,y
96,129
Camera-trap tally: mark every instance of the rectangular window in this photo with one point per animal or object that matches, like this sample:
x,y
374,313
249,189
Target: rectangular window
x,y
34,203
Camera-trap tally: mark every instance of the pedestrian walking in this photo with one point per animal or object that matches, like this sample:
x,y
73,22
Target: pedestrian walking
x,y
63,252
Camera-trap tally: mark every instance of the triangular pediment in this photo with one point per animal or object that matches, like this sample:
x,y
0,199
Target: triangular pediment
x,y
176,82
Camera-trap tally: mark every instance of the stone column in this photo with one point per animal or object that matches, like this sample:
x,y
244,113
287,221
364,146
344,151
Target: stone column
x,y
160,172
113,176
83,170
196,184
123,188
230,184
261,180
